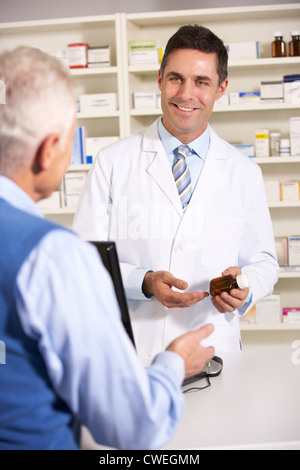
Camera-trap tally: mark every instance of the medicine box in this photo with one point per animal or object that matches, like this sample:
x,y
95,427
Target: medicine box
x,y
98,102
73,183
272,188
144,52
144,99
271,92
78,149
291,88
98,56
290,191
249,97
95,144
243,50
268,309
291,315
51,202
294,250
295,136
262,147
244,98
281,245
77,55
247,150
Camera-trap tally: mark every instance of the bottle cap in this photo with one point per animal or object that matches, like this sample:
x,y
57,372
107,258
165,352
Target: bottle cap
x,y
277,34
295,33
242,281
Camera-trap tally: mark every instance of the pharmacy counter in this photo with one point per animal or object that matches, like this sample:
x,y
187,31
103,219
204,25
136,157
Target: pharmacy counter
x,y
253,404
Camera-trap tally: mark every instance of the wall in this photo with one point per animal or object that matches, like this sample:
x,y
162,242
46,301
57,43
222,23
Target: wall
x,y
16,10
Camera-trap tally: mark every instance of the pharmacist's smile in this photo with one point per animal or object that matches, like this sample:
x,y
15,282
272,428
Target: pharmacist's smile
x,y
185,107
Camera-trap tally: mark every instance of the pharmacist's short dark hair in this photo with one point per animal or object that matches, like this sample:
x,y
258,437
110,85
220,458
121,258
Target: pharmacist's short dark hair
x,y
198,38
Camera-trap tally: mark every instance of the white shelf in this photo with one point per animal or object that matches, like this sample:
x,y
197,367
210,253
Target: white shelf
x,y
61,211
212,14
283,204
289,274
276,160
269,326
93,71
263,62
98,115
255,107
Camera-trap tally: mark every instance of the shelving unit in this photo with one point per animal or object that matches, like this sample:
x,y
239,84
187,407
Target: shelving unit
x,y
53,35
236,124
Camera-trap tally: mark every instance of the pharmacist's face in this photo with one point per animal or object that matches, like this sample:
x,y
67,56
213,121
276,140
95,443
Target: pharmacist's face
x,y
189,88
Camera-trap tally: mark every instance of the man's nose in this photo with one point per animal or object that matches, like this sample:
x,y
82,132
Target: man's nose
x,y
187,91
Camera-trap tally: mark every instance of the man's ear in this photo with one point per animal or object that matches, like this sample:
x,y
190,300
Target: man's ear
x,y
46,153
159,79
222,89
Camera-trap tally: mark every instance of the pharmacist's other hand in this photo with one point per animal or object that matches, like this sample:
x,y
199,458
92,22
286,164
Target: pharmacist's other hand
x,y
160,284
230,302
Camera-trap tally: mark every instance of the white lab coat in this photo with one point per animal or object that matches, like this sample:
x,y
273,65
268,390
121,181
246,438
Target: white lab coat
x,y
131,197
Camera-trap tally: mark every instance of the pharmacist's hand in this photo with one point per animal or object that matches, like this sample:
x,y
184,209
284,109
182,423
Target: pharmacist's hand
x,y
230,302
161,283
189,347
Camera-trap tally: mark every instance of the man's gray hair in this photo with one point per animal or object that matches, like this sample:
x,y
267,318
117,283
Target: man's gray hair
x,y
39,101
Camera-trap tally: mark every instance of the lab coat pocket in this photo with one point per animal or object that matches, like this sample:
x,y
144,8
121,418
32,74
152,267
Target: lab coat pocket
x,y
222,237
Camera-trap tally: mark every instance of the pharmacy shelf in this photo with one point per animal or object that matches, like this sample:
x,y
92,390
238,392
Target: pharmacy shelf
x,y
236,14
276,160
269,326
255,107
226,109
289,274
265,62
83,167
86,72
98,115
284,204
60,211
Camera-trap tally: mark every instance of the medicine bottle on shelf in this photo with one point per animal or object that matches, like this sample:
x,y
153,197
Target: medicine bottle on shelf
x,y
226,283
278,45
294,44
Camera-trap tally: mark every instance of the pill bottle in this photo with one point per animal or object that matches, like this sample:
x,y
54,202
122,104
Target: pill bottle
x,y
278,45
274,144
285,147
226,283
294,44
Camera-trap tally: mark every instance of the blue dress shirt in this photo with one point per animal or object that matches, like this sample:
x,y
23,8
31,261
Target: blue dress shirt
x,y
66,302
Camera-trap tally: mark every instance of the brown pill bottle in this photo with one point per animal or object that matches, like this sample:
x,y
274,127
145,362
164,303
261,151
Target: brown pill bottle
x,y
226,283
294,44
278,45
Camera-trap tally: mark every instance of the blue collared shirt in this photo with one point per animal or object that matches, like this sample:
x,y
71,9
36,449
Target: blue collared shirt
x,y
66,302
196,159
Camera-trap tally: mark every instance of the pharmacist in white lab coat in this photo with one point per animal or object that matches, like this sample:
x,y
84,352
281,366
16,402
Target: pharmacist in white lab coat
x,y
169,253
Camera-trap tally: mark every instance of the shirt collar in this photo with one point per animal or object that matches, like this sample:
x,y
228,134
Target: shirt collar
x,y
18,198
199,146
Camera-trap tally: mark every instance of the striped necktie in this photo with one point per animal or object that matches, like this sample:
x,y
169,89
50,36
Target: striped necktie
x,y
182,175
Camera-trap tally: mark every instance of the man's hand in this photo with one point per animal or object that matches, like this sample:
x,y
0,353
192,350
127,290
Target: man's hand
x,y
230,302
160,284
192,352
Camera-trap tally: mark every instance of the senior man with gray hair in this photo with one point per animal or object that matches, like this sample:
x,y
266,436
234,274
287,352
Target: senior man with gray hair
x,y
69,361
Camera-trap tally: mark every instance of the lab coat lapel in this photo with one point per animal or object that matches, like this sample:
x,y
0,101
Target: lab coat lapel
x,y
159,167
